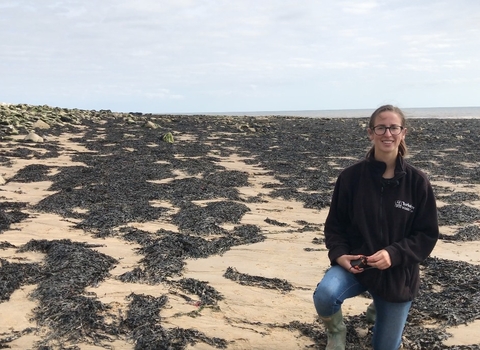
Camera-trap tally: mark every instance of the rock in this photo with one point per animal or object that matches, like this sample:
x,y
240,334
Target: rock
x,y
245,128
66,119
33,137
150,125
11,130
40,124
27,117
2,180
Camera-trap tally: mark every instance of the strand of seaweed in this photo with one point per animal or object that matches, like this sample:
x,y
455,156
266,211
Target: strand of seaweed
x,y
258,281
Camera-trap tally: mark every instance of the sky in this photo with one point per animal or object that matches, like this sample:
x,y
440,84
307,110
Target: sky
x,y
200,56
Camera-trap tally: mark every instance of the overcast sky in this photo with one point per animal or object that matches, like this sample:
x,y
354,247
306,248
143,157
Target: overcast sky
x,y
188,56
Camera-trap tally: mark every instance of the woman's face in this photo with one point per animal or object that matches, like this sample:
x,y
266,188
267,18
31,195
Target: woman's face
x,y
387,144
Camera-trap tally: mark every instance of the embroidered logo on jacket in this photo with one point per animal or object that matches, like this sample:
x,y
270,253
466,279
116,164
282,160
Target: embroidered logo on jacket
x,y
405,206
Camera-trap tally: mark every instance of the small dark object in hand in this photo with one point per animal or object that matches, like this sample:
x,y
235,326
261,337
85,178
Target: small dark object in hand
x,y
360,263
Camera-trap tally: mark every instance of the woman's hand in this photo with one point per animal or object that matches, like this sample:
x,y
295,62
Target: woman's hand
x,y
345,262
380,260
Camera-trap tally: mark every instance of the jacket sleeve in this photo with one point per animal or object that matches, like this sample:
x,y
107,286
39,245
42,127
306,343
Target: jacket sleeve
x,y
337,222
420,241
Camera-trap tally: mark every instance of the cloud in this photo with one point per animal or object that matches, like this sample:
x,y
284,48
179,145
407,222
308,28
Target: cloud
x,y
359,7
163,94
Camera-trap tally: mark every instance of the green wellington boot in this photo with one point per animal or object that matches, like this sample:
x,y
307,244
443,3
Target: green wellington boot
x,y
371,313
336,331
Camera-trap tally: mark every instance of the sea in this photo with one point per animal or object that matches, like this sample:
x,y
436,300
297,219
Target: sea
x,y
437,112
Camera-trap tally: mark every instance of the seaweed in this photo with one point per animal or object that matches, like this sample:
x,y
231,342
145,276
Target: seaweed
x,y
32,173
207,294
123,176
143,322
258,281
275,222
14,275
443,283
457,214
464,234
10,213
66,314
206,220
165,257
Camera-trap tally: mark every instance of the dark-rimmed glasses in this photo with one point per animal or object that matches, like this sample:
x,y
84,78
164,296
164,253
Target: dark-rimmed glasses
x,y
382,129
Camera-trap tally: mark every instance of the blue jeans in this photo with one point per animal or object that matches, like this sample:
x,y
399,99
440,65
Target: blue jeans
x,y
339,284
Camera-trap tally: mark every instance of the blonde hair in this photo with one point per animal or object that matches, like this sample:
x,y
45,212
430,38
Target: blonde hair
x,y
402,147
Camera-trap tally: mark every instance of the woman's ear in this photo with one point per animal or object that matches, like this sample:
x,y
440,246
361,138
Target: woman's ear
x,y
370,134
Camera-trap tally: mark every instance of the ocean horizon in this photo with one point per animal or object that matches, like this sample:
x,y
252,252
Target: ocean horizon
x,y
416,112
433,112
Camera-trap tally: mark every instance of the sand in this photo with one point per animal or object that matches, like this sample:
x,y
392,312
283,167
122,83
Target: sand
x,y
245,316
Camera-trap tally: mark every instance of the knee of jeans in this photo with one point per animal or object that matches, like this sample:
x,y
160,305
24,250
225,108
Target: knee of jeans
x,y
324,300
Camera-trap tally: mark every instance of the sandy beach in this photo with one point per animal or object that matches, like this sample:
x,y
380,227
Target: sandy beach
x,y
240,194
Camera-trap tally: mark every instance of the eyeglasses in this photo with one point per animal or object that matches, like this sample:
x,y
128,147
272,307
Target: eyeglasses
x,y
382,129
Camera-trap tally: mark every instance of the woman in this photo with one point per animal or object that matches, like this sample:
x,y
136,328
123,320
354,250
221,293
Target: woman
x,y
382,209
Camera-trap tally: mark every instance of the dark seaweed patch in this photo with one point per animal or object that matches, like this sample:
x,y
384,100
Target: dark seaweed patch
x,y
457,214
311,200
13,275
275,222
143,322
32,173
13,336
109,204
206,220
207,294
315,249
465,234
318,240
459,197
308,228
247,234
5,161
6,245
10,214
191,189
316,200
22,153
255,199
444,281
258,281
228,178
165,256
66,314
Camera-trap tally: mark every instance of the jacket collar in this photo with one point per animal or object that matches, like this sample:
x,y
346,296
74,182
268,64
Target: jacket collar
x,y
379,167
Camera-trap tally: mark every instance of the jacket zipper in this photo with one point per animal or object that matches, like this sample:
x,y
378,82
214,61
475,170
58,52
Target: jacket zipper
x,y
381,210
